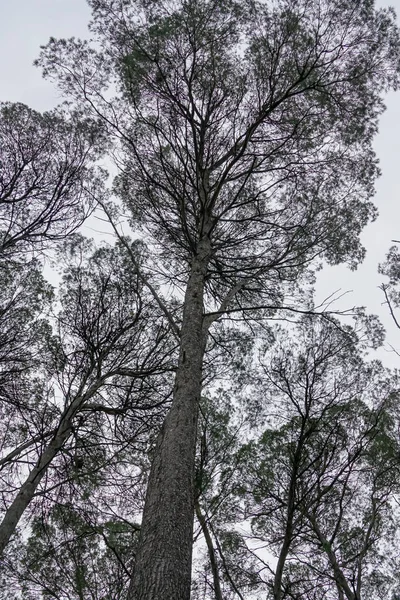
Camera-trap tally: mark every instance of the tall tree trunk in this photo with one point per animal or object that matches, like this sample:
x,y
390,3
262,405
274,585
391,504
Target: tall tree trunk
x,y
164,557
30,485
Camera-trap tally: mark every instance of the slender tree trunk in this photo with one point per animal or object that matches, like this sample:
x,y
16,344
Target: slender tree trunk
x,y
287,541
164,557
211,552
226,568
340,592
27,490
340,579
290,514
29,487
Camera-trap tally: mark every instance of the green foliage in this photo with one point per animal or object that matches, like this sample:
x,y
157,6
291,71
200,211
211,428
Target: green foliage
x,y
48,178
70,555
324,475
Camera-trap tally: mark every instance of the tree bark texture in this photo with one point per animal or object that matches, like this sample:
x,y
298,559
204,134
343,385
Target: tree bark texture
x,y
164,558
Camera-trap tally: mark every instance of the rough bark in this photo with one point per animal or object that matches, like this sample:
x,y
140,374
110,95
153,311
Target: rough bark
x,y
30,485
164,558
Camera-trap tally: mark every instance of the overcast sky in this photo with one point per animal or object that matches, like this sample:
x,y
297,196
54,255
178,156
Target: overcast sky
x,y
27,24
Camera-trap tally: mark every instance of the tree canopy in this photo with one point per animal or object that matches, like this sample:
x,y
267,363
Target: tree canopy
x,y
154,386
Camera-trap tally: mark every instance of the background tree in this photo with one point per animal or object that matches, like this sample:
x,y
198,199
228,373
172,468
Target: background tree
x,y
391,268
48,178
243,135
72,554
103,387
308,510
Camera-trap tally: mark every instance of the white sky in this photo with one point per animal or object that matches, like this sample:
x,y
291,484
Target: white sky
x,y
27,24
